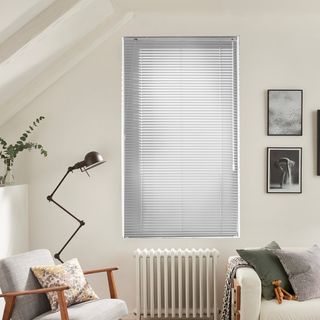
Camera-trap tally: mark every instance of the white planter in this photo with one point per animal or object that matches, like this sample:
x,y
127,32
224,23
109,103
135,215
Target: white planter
x,y
14,222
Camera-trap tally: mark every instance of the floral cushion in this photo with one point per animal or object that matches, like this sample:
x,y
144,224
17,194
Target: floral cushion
x,y
67,274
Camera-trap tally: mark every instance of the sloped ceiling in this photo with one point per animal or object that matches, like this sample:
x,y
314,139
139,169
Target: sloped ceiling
x,y
63,30
29,28
17,14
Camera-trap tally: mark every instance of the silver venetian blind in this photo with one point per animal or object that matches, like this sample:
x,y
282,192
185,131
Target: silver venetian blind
x,y
181,176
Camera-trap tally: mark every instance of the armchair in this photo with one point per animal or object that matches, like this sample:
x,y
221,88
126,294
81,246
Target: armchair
x,y
25,300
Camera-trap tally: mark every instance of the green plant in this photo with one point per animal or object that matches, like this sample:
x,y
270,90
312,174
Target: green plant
x,y
10,151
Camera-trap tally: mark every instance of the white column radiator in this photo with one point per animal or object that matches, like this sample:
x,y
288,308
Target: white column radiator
x,y
176,283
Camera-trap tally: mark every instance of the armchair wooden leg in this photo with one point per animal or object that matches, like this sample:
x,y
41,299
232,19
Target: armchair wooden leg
x,y
63,306
8,309
112,285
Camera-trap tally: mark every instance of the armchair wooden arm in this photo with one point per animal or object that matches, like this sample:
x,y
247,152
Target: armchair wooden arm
x,y
35,291
111,281
10,299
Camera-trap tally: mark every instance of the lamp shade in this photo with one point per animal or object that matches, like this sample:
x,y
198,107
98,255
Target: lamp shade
x,y
92,159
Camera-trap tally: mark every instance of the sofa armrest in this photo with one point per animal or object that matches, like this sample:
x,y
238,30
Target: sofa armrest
x,y
250,300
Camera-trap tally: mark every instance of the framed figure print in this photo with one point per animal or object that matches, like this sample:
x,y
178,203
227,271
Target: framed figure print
x,y
284,166
285,112
318,142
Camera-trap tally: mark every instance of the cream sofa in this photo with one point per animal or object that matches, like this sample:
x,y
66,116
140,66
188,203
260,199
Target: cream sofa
x,y
248,304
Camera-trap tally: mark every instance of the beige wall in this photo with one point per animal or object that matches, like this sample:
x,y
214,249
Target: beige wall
x,y
279,48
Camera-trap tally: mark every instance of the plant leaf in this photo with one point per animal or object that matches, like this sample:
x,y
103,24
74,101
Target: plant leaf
x,y
10,152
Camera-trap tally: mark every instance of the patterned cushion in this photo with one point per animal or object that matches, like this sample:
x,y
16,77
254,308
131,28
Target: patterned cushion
x,y
67,274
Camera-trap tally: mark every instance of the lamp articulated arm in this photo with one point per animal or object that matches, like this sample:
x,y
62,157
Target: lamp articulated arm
x,y
91,160
81,222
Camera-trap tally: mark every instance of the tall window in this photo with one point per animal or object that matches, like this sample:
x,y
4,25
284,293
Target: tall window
x,y
181,157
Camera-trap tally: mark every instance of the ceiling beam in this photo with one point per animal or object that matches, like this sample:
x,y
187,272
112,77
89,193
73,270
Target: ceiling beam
x,y
43,50
16,13
34,26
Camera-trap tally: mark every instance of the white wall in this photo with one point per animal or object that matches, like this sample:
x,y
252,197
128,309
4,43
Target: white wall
x,y
279,48
14,223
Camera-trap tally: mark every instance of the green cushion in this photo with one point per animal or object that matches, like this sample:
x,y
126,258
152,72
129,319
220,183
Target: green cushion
x,y
268,267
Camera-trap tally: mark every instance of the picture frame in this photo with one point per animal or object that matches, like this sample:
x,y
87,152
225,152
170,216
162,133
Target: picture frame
x,y
318,142
284,170
285,112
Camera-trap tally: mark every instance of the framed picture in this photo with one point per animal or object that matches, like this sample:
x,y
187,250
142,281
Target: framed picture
x,y
285,112
318,142
284,170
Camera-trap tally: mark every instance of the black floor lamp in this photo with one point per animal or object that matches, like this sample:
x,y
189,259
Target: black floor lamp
x,y
91,160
